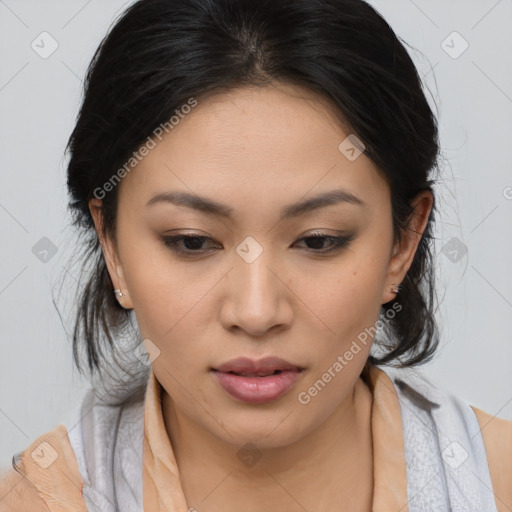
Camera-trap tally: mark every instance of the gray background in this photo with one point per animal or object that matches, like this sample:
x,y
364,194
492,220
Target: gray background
x,y
40,97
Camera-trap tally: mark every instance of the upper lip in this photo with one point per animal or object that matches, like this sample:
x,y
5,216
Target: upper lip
x,y
247,365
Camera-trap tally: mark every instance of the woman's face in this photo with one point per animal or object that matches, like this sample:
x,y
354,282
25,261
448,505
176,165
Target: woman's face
x,y
255,285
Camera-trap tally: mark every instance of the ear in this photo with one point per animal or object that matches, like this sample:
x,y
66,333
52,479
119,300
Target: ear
x,y
403,252
115,269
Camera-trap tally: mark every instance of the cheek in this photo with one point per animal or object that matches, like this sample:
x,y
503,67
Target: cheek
x,y
167,306
347,300
171,301
348,295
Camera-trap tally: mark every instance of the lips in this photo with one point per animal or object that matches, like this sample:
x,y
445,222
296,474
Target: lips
x,y
250,368
257,382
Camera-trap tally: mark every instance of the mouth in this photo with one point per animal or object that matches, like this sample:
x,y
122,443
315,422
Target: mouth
x,y
257,374
262,368
257,382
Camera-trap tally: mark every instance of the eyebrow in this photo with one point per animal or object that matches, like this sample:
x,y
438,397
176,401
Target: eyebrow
x,y
210,206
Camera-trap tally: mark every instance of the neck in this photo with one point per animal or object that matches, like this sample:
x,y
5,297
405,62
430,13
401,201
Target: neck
x,y
331,465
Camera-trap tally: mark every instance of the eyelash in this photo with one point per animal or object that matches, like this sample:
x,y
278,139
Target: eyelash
x,y
340,242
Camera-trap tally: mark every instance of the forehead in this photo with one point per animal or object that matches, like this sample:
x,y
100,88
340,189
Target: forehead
x,y
256,144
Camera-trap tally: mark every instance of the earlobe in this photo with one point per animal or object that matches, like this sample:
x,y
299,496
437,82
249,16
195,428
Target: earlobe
x,y
123,298
114,267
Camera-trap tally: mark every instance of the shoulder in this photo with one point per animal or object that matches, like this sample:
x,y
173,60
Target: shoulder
x,y
44,477
19,495
70,467
497,435
473,445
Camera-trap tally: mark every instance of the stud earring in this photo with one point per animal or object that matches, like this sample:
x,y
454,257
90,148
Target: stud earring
x,y
120,295
396,289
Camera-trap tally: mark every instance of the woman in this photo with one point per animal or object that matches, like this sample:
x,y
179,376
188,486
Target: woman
x,y
255,182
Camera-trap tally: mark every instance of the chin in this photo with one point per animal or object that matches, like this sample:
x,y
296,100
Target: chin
x,y
266,430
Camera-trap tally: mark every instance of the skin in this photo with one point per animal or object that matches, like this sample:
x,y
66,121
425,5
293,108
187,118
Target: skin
x,y
258,150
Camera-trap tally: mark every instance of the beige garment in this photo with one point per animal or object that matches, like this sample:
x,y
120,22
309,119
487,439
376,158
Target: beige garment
x,y
57,488
52,480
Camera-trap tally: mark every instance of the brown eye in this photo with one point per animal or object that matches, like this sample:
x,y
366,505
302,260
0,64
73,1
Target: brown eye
x,y
186,244
317,242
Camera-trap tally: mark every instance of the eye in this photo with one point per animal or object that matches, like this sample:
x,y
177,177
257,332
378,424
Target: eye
x,y
317,240
193,245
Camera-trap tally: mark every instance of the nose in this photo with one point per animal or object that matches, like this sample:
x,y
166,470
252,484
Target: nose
x,y
257,298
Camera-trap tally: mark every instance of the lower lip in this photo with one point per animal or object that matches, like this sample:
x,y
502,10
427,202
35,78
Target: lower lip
x,y
258,390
